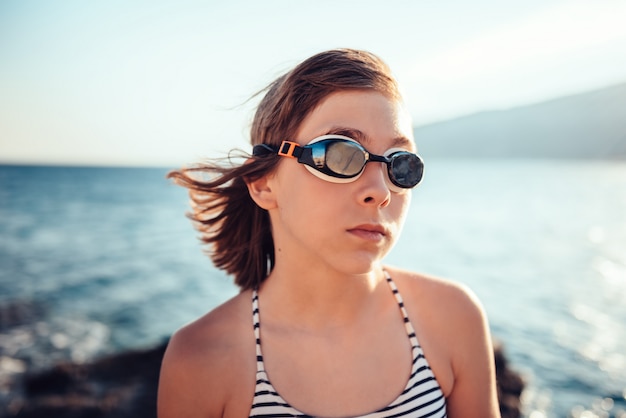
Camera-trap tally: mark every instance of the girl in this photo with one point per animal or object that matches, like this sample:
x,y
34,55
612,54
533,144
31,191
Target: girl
x,y
321,327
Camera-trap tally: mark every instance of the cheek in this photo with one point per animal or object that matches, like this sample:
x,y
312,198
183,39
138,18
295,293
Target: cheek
x,y
297,189
401,209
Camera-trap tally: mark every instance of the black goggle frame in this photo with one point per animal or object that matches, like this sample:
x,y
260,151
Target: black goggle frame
x,y
404,169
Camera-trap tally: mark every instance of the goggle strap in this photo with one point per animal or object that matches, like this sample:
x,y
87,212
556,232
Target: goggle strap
x,y
260,150
290,149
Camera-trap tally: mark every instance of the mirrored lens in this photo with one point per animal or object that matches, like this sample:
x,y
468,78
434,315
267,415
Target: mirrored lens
x,y
406,169
346,158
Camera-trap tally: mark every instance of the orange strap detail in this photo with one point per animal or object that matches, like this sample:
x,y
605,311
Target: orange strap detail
x,y
287,148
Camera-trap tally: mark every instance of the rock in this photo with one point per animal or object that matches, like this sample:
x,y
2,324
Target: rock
x,y
121,386
510,385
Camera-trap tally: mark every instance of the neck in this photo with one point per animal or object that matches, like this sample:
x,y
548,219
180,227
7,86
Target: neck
x,y
317,298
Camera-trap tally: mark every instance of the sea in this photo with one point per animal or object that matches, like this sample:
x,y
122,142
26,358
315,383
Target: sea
x,y
97,260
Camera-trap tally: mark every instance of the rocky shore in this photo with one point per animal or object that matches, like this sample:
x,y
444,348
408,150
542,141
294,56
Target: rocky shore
x,y
125,385
122,385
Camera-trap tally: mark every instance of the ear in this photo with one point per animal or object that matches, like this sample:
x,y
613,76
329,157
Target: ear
x,y
261,191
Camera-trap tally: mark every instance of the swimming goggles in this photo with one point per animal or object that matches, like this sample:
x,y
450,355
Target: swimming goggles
x,y
340,159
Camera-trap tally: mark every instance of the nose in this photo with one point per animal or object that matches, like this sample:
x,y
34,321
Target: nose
x,y
374,189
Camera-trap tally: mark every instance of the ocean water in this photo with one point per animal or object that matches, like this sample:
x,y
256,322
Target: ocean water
x,y
97,260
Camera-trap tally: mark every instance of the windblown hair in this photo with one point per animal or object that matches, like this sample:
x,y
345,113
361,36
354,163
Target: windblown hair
x,y
237,232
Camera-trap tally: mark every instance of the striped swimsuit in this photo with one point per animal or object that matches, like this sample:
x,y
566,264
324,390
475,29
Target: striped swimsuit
x,y
422,396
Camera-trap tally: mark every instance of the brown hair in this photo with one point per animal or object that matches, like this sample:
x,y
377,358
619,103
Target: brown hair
x,y
238,232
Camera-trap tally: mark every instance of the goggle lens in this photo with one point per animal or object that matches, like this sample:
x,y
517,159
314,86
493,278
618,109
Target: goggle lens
x,y
344,157
406,169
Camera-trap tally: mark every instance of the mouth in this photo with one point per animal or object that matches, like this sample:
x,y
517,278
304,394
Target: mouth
x,y
370,232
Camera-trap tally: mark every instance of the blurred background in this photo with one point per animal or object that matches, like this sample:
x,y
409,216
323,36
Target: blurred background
x,y
519,111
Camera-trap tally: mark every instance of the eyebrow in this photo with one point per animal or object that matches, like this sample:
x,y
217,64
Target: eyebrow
x,y
399,141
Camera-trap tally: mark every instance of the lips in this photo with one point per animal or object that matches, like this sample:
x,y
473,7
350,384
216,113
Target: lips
x,y
370,232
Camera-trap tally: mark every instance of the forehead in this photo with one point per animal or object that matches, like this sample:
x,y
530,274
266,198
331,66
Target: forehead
x,y
367,116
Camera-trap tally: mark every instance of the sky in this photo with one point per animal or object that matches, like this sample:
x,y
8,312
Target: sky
x,y
164,83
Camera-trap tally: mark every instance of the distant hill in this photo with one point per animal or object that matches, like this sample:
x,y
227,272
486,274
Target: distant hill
x,y
587,125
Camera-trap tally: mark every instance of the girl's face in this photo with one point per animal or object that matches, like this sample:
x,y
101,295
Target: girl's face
x,y
346,227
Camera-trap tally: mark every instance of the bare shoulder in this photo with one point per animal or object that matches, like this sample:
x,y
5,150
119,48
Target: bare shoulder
x,y
208,362
453,331
443,312
438,294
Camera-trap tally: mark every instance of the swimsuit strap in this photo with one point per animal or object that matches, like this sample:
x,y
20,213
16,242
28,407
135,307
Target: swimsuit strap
x,y
407,322
257,333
